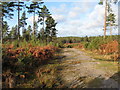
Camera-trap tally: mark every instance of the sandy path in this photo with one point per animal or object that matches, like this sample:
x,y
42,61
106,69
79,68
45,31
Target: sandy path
x,y
79,71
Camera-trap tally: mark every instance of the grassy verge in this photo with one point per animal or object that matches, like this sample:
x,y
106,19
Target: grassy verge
x,y
104,62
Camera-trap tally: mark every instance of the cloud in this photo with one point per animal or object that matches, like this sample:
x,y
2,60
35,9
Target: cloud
x,y
73,14
59,12
30,19
74,11
59,18
95,18
62,8
82,24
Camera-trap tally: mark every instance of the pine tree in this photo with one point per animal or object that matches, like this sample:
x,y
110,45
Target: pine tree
x,y
5,29
23,23
29,29
111,21
7,9
41,35
36,28
34,8
107,9
19,5
28,33
50,30
13,32
43,14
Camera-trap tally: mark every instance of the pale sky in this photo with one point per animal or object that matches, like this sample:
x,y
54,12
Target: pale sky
x,y
76,18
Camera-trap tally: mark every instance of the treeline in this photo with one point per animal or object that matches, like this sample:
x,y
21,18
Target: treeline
x,y
45,21
84,39
91,43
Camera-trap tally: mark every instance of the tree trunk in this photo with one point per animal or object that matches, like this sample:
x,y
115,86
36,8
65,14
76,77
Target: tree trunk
x,y
43,23
44,36
1,35
1,25
46,40
18,22
111,29
34,24
105,18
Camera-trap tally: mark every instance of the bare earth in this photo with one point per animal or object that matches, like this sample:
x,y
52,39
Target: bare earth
x,y
78,70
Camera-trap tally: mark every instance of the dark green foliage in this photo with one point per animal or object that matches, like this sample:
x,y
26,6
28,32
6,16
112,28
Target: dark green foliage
x,y
95,42
41,35
71,39
86,45
23,20
90,43
44,13
23,24
19,6
46,34
7,9
13,33
5,29
36,28
50,30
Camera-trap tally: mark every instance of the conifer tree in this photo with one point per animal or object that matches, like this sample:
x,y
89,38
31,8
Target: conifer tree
x,y
19,6
13,33
23,23
34,8
29,32
43,14
50,30
5,29
107,9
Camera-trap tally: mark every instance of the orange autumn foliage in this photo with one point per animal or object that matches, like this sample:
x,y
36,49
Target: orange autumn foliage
x,y
41,53
110,47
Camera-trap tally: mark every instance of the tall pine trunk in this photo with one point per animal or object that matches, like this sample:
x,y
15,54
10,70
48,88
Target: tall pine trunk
x,y
44,34
105,18
43,23
111,29
43,27
18,22
1,24
34,24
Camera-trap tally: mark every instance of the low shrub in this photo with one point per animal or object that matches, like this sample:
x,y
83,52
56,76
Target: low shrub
x,y
21,60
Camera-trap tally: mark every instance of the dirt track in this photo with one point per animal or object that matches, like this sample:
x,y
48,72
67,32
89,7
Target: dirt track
x,y
78,70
